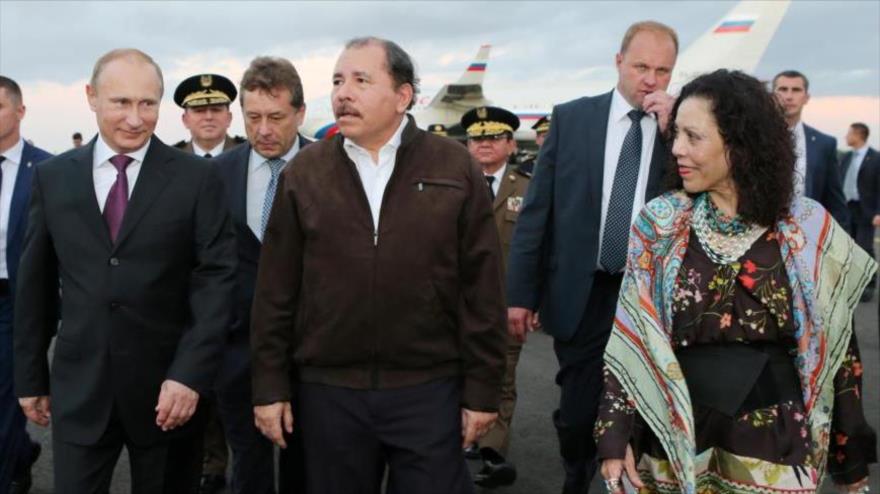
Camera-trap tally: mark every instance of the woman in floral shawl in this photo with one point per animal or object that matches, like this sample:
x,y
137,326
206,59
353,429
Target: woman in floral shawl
x,y
732,366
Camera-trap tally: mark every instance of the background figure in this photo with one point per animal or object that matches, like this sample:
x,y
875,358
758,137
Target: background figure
x,y
205,99
138,234
728,370
273,104
490,141
541,128
77,140
379,284
17,161
860,169
816,172
603,159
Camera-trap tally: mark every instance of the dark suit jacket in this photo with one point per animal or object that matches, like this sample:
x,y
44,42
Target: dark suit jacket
x,y
867,182
21,194
153,306
233,167
229,143
823,181
555,246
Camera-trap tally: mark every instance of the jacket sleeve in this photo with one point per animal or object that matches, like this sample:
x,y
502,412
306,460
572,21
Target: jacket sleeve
x,y
273,313
211,288
832,197
36,301
482,313
524,272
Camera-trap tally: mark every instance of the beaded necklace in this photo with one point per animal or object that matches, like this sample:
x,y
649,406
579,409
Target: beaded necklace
x,y
724,240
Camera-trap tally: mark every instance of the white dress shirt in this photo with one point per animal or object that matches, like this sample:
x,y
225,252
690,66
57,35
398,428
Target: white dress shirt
x,y
104,173
851,190
800,151
375,175
198,151
10,173
619,124
496,184
259,176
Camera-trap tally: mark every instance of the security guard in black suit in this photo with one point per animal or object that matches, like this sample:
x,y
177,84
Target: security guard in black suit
x,y
541,128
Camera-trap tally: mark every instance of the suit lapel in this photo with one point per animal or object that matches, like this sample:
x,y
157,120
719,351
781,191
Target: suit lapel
x,y
152,177
505,189
597,130
83,182
657,167
810,147
21,191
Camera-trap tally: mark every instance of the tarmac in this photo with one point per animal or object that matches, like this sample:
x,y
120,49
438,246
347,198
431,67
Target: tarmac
x,y
534,448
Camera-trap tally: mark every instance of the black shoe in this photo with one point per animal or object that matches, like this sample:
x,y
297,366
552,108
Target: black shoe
x,y
496,471
212,484
22,480
472,452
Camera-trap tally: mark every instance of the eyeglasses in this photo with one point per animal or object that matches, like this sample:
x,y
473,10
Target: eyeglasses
x,y
496,137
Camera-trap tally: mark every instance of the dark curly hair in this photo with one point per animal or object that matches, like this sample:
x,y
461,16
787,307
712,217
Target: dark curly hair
x,y
758,142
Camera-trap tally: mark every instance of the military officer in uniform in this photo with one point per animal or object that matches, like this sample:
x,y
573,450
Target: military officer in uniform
x,y
541,127
490,141
438,129
205,99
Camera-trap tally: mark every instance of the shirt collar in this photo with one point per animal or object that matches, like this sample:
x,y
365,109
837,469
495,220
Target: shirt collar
x,y
13,154
214,152
798,128
392,143
103,152
620,107
861,150
499,174
257,160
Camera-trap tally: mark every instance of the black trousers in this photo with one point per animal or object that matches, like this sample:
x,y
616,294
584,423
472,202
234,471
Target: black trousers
x,y
580,370
861,229
350,436
171,467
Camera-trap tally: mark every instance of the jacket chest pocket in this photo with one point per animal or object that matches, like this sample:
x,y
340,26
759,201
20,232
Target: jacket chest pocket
x,y
440,196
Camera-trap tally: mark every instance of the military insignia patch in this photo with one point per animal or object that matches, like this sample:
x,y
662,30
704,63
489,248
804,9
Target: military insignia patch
x,y
206,80
514,203
482,113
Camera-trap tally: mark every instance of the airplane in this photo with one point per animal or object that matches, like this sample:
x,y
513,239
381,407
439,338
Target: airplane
x,y
737,41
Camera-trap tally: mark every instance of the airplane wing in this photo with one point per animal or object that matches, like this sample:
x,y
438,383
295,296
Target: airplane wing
x,y
737,41
467,91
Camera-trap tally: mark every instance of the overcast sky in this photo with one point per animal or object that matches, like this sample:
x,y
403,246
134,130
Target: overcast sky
x,y
542,51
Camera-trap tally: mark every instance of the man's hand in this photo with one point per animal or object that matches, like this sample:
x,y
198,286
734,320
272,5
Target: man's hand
x,y
855,487
612,469
659,103
271,418
36,409
876,220
474,425
177,404
520,321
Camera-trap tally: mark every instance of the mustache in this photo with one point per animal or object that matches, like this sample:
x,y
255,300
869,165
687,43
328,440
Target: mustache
x,y
345,109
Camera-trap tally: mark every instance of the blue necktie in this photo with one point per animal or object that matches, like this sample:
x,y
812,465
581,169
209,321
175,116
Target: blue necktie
x,y
275,166
623,193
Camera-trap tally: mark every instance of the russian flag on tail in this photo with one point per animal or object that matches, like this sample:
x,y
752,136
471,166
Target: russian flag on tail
x,y
477,67
737,26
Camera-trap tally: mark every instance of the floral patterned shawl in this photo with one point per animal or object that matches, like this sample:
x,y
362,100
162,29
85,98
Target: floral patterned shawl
x,y
827,273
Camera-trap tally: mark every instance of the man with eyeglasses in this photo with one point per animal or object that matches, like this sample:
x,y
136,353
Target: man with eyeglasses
x,y
490,141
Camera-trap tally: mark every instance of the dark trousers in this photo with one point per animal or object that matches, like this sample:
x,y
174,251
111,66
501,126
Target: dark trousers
x,y
171,467
861,229
580,371
253,461
15,444
216,454
350,436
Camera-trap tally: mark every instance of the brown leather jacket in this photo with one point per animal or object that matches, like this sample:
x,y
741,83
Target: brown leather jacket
x,y
419,299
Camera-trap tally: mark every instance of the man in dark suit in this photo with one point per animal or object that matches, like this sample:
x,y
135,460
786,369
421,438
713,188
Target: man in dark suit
x,y
816,171
17,161
272,101
602,160
205,99
139,235
860,169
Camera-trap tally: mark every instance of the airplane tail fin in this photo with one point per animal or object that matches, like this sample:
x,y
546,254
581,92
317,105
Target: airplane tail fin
x,y
737,41
467,91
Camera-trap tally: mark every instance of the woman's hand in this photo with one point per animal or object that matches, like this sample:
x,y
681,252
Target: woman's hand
x,y
612,471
